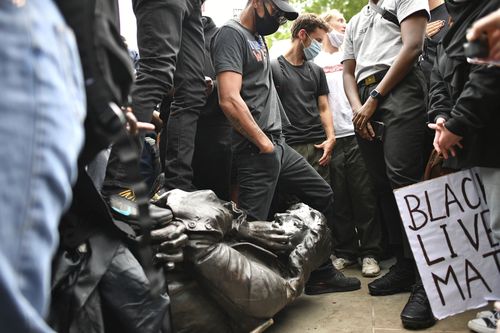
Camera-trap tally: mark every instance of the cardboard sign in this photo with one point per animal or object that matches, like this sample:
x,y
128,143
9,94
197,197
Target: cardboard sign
x,y
448,226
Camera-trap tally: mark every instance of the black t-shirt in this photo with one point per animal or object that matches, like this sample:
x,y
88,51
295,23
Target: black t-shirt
x,y
437,14
299,89
236,49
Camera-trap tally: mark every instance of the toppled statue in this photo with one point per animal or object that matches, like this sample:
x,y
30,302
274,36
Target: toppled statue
x,y
230,274
236,274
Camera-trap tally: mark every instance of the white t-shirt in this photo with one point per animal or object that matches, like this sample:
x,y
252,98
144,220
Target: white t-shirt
x,y
373,41
339,105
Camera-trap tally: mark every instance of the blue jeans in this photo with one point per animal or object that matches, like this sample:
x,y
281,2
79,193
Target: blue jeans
x,y
41,132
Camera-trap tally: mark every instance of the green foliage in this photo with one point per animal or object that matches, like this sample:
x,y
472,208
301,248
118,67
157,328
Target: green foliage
x,y
348,7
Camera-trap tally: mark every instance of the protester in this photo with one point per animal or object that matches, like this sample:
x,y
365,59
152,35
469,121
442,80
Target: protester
x,y
303,92
248,98
357,230
212,154
42,110
464,110
383,84
170,41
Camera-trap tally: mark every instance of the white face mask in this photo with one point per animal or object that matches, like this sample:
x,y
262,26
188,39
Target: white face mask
x,y
336,38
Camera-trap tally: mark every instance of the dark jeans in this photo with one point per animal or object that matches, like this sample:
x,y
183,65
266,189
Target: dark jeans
x,y
356,228
170,40
212,157
260,174
398,160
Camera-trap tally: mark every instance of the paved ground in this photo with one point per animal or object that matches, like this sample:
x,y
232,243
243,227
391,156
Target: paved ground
x,y
355,312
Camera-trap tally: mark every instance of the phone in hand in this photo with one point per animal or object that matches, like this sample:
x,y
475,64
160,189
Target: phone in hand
x,y
477,51
379,129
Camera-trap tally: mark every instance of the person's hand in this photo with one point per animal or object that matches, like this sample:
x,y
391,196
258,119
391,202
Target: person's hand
x,y
438,128
266,234
327,147
433,28
448,141
157,121
209,85
134,126
367,132
490,25
445,141
171,240
362,115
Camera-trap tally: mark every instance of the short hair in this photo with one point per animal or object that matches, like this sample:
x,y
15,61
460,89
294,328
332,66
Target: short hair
x,y
308,22
331,14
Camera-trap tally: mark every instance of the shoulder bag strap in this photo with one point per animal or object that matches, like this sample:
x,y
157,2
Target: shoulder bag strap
x,y
388,15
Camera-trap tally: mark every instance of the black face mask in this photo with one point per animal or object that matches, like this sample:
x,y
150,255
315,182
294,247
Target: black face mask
x,y
266,25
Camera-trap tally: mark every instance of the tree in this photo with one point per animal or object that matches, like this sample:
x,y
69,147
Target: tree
x,y
347,7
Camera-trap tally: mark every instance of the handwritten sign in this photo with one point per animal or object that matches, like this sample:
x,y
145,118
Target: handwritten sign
x,y
447,221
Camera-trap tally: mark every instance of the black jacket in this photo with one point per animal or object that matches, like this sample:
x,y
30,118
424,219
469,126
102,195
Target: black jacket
x,y
467,95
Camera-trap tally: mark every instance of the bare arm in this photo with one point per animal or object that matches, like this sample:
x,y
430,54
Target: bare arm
x,y
327,122
413,30
236,110
350,85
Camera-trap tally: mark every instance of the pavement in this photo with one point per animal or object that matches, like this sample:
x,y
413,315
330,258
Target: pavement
x,y
357,312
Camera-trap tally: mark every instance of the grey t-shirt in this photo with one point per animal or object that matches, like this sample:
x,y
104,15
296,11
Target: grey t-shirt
x,y
236,49
373,41
299,91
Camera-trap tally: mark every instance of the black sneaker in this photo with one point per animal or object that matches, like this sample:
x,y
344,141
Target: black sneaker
x,y
417,313
330,282
399,279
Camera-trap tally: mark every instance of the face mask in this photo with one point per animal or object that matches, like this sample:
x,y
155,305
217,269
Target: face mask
x,y
266,25
312,50
336,38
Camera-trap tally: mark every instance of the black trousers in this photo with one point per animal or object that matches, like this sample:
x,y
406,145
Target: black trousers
x,y
398,160
171,48
213,157
260,174
356,231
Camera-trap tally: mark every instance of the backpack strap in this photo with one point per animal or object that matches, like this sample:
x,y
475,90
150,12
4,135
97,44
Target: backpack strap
x,y
386,14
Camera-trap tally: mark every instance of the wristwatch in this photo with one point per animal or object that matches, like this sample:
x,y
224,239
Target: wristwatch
x,y
376,95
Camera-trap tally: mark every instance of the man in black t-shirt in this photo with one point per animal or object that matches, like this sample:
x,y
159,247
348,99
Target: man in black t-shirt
x,y
262,158
303,91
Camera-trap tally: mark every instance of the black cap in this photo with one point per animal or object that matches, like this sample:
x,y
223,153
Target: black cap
x,y
290,12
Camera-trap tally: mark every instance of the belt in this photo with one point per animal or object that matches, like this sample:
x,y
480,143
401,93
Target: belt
x,y
374,78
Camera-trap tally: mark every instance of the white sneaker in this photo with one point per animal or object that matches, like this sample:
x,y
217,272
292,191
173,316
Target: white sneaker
x,y
370,267
483,325
341,263
485,322
487,314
